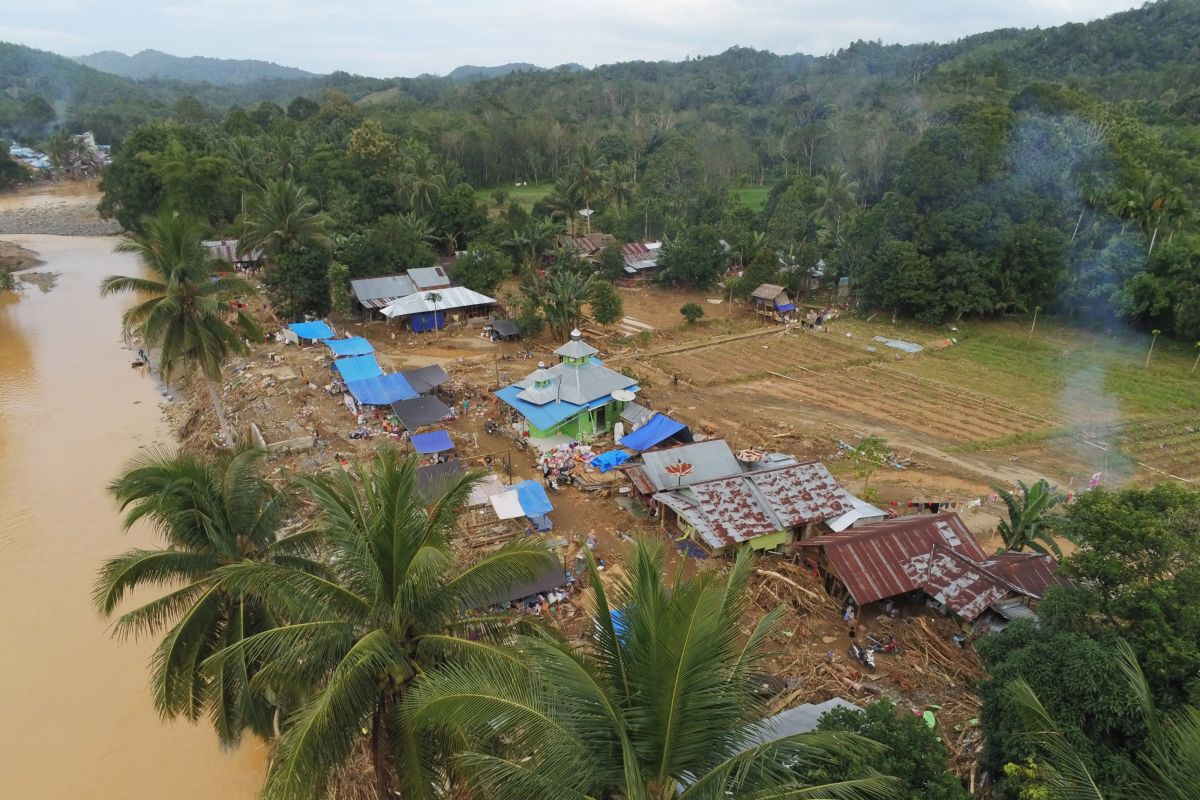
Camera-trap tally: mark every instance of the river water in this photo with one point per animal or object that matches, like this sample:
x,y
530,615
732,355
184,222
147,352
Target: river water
x,y
78,720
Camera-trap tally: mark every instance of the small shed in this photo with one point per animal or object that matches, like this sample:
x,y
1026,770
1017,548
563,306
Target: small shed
x,y
351,346
309,332
425,379
502,330
772,301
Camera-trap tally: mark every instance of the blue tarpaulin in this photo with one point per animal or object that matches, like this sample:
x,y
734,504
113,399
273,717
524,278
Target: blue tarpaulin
x,y
311,330
358,368
659,428
354,346
606,461
432,442
534,501
382,390
785,307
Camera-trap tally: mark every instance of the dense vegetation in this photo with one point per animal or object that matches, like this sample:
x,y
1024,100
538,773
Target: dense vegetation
x,y
1000,174
194,69
1135,580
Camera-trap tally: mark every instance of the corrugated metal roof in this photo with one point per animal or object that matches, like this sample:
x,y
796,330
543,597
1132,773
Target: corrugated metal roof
x,y
227,250
740,507
709,459
802,493
449,298
578,384
957,582
638,476
635,414
870,559
429,278
378,292
1033,572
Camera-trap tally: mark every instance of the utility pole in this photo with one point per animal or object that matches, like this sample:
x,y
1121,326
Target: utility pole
x,y
1036,309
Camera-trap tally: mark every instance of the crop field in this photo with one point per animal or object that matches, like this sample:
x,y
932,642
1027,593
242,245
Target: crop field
x,y
1063,403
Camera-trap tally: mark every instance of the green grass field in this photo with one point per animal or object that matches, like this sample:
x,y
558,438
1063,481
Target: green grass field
x,y
753,197
525,196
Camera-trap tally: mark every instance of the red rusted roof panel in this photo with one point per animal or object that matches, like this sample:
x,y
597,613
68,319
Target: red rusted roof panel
x,y
1032,572
802,493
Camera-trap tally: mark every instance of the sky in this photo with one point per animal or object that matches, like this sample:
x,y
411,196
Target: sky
x,y
390,38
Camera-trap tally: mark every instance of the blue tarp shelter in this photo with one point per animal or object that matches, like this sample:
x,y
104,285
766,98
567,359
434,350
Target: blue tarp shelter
x,y
657,429
311,330
433,442
357,368
785,307
620,626
606,461
354,346
427,321
534,501
382,390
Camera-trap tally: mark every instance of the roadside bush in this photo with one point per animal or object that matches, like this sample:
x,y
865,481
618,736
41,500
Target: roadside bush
x,y
692,312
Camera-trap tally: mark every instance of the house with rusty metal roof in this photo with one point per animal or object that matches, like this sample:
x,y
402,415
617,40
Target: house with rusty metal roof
x,y
934,554
762,507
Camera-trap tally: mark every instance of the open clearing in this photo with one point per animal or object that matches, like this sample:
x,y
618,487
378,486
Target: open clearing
x,y
996,406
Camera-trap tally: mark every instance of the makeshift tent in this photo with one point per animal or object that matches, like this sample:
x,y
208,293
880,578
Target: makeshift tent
x,y
550,578
507,505
354,346
533,497
420,411
432,442
316,330
382,390
484,490
358,368
526,499
784,307
606,461
425,379
657,429
435,479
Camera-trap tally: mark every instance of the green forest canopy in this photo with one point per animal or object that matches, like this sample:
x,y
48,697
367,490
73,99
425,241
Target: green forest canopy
x,y
1001,173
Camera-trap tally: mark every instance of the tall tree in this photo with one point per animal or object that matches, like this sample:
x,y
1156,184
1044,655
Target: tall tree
x,y
357,640
656,703
210,512
1169,760
282,217
184,313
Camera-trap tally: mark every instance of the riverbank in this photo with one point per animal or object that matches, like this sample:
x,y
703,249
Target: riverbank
x,y
54,209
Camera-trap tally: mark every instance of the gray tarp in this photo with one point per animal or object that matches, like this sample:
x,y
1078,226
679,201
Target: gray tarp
x,y
420,411
425,379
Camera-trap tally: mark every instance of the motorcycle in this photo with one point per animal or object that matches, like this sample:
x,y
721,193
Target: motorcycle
x,y
491,427
888,645
863,656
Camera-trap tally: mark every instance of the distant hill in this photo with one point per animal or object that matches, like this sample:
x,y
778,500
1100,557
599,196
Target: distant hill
x,y
195,69
470,72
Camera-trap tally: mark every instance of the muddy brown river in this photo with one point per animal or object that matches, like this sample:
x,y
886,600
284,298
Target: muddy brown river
x,y
78,720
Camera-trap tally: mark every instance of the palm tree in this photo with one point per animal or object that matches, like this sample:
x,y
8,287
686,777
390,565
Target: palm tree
x,y
433,298
656,703
282,217
1027,526
619,187
357,640
423,182
1169,760
184,313
211,511
589,177
561,296
565,201
835,193
244,152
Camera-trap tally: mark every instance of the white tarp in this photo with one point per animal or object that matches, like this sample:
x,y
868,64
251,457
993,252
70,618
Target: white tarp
x,y
508,505
450,298
861,511
485,490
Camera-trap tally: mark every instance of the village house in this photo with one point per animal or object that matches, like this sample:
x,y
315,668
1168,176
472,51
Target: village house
x,y
427,309
772,301
641,261
578,398
934,555
724,501
227,250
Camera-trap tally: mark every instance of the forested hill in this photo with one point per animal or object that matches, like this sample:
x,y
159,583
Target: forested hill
x,y
1001,173
470,72
194,69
